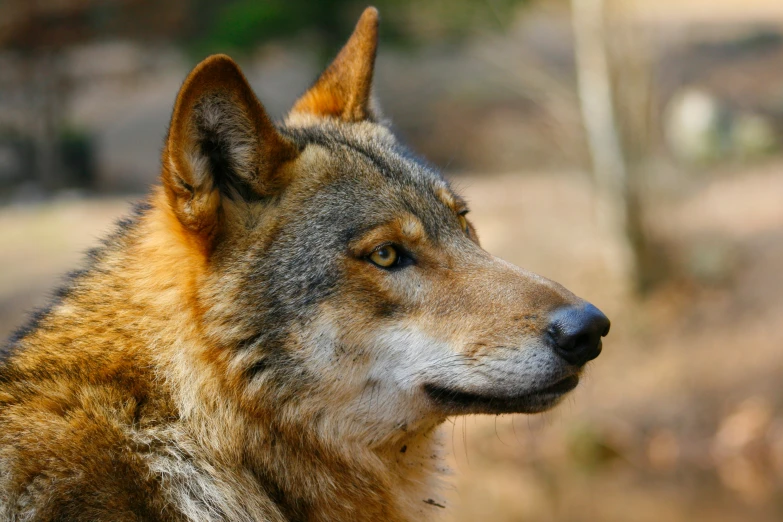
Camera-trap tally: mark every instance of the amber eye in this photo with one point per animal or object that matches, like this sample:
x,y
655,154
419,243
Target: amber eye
x,y
463,223
384,256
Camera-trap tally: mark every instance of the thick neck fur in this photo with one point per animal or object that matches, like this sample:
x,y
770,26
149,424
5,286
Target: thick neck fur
x,y
236,450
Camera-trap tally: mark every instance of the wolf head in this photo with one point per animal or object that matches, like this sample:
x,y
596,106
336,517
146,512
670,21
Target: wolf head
x,y
341,279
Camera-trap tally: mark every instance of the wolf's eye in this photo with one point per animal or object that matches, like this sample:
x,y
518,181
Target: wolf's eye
x,y
385,256
463,223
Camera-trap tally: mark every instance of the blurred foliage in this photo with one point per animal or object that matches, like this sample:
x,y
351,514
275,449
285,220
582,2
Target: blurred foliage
x,y
207,26
240,25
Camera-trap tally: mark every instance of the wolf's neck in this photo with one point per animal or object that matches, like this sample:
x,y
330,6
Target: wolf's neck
x,y
306,473
340,480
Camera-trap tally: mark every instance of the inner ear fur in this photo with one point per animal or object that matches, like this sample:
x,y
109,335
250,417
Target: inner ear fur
x,y
344,89
221,144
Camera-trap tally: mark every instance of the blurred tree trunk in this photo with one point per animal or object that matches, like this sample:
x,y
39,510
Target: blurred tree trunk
x,y
50,95
614,94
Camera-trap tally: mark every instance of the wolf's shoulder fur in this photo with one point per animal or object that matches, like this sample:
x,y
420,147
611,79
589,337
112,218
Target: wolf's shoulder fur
x,y
278,330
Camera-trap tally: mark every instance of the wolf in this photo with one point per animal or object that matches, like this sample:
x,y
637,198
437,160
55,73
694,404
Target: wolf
x,y
277,332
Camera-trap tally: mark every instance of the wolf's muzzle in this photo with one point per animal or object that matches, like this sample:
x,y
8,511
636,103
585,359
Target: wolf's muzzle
x,y
576,331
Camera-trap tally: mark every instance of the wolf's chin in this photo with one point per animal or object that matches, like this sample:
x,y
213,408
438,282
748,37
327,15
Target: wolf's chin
x,y
458,402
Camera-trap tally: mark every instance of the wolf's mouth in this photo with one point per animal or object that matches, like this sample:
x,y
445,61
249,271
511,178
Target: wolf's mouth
x,y
460,402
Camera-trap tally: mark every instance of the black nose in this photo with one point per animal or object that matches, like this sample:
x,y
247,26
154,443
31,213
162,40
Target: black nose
x,y
576,332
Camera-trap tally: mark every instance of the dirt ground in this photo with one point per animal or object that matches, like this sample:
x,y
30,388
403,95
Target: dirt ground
x,y
681,418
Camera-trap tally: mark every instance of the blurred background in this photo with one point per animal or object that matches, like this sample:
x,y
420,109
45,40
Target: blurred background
x,y
630,149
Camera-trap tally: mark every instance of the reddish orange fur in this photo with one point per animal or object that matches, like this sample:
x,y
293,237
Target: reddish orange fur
x,y
343,90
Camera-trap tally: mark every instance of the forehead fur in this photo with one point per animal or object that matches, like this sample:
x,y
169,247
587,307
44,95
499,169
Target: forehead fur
x,y
373,174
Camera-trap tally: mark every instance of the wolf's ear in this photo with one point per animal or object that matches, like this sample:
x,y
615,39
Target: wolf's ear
x,y
344,89
221,144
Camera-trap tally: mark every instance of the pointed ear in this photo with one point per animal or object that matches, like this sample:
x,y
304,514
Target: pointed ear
x,y
221,144
344,89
